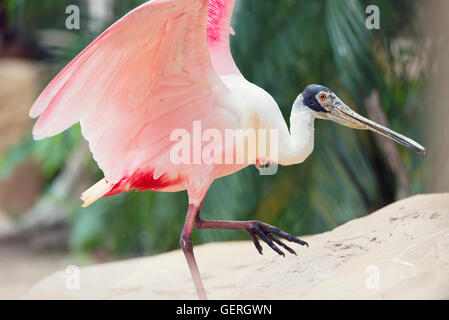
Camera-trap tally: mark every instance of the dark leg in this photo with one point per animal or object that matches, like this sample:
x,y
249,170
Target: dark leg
x,y
256,229
187,247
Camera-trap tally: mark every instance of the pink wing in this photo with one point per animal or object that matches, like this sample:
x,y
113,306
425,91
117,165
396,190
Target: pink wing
x,y
218,30
147,75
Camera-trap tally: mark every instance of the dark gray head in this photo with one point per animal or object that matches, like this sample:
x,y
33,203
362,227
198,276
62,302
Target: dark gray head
x,y
312,94
325,104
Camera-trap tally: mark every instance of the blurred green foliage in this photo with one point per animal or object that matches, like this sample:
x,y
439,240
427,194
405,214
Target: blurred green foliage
x,y
281,46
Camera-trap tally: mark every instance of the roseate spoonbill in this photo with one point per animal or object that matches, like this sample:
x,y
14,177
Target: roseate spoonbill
x,y
163,66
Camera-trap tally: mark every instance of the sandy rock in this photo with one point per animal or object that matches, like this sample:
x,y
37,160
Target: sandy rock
x,y
398,252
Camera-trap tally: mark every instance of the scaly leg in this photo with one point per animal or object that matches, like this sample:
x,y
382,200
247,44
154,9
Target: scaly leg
x,y
256,229
187,247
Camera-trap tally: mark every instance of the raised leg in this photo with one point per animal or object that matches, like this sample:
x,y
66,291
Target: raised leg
x,y
187,248
256,229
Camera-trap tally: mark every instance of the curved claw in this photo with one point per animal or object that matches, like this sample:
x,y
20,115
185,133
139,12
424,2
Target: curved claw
x,y
283,245
287,236
265,238
267,234
256,243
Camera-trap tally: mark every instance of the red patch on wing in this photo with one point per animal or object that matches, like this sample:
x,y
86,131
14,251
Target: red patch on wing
x,y
143,181
216,20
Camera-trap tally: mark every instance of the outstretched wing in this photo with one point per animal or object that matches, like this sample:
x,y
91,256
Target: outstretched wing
x,y
218,30
147,75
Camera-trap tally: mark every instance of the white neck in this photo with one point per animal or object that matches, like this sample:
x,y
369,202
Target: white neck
x,y
299,144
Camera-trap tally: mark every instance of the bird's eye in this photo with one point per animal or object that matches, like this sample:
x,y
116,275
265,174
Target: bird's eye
x,y
322,97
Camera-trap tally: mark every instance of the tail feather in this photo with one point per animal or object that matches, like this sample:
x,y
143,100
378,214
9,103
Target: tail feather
x,y
95,192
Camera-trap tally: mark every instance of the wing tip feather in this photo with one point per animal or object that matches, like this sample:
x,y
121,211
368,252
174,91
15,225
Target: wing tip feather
x,y
95,192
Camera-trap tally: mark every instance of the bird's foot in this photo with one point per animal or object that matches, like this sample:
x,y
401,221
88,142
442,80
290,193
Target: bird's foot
x,y
270,235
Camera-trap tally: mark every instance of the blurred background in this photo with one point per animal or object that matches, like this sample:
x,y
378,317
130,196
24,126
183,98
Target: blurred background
x,y
397,75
